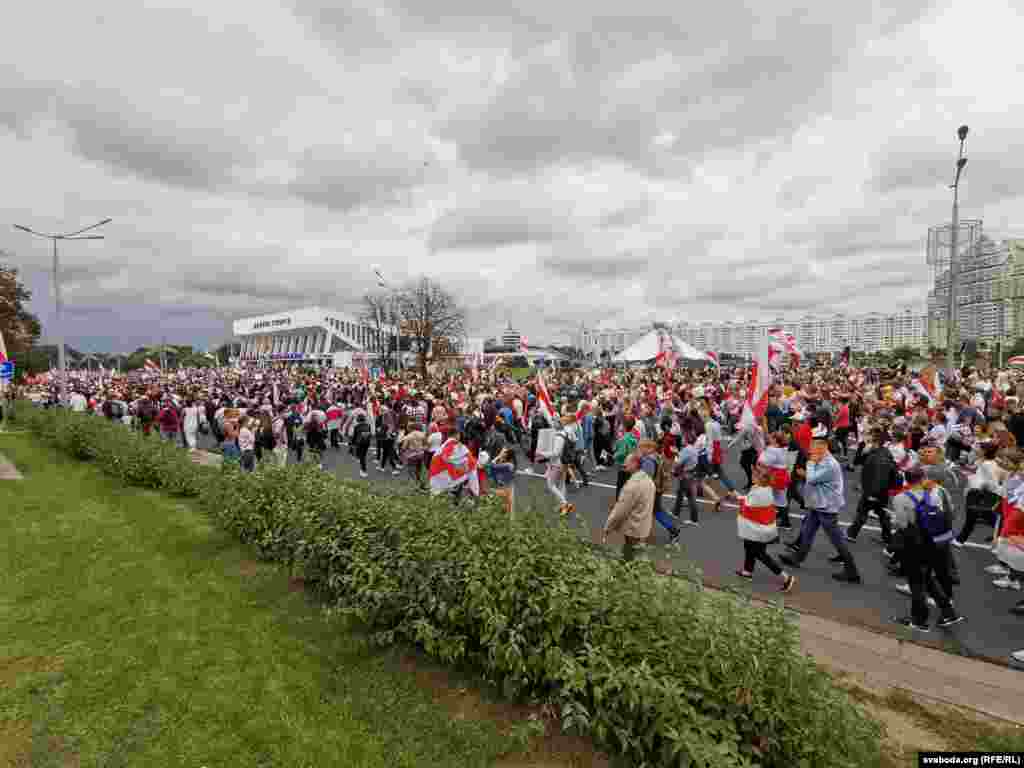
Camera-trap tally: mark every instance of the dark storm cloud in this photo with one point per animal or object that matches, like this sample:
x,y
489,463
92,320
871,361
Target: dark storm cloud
x,y
238,285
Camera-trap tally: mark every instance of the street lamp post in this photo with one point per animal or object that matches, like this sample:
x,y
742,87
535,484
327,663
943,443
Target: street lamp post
x,y
382,283
954,237
59,305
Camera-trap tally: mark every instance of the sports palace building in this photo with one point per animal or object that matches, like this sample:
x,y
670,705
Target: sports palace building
x,y
310,335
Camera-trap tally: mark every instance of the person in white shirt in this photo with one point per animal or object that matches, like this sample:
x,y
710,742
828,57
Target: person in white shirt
x,y
192,417
985,488
247,445
78,402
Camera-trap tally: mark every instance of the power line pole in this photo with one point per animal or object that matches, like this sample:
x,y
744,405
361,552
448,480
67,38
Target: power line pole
x,y
953,254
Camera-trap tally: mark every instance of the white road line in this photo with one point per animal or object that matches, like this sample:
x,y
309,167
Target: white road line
x,y
540,476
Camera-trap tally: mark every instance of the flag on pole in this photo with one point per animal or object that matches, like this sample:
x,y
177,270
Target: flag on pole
x,y
758,386
713,357
3,349
928,385
782,343
544,399
522,345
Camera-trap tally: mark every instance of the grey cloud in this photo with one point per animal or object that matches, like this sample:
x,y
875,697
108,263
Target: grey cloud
x,y
498,223
622,266
625,216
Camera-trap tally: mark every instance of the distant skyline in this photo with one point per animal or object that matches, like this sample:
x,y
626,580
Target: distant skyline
x,y
550,163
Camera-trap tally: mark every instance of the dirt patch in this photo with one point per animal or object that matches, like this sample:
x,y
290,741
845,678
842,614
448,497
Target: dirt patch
x,y
248,568
548,746
296,584
15,743
14,667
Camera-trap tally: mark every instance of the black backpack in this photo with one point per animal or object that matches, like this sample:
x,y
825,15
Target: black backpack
x,y
568,449
601,426
880,468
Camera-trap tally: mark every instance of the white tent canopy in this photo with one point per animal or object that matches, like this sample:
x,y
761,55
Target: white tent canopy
x,y
647,349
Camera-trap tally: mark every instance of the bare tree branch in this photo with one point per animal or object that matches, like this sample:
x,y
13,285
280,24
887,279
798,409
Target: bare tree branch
x,y
433,319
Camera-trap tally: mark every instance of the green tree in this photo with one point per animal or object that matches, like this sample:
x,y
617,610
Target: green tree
x,y
1017,348
905,354
21,329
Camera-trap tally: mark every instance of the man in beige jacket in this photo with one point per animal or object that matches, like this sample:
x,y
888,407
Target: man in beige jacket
x,y
633,513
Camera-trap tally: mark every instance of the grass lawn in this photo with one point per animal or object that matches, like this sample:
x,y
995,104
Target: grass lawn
x,y
134,633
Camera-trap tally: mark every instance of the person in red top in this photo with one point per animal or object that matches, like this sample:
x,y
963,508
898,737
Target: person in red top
x,y
842,424
802,435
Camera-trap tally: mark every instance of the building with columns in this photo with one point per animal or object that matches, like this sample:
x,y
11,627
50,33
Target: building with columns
x,y
311,335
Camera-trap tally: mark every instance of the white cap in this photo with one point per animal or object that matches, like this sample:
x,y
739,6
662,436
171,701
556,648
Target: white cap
x,y
819,431
484,460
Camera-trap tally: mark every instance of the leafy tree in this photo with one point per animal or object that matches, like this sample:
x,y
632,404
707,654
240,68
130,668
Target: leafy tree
x,y
433,316
21,329
1017,348
905,353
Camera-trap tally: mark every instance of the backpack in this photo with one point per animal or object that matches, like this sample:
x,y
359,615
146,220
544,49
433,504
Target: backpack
x,y
931,518
601,426
147,410
116,409
881,468
538,422
568,449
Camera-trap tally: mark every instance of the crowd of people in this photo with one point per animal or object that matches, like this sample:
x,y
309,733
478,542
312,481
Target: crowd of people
x,y
933,464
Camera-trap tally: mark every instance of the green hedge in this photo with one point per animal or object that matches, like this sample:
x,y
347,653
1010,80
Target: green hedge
x,y
651,667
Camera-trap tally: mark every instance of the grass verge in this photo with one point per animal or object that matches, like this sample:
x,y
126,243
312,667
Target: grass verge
x,y
132,632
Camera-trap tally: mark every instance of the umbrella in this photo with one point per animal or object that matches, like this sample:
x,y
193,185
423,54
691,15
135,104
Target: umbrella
x,y
1016,362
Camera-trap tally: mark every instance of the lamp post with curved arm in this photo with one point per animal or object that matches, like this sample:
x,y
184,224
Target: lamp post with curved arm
x,y
954,237
76,235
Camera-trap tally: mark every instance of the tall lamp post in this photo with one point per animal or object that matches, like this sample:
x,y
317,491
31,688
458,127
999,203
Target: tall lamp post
x,y
382,283
77,235
954,237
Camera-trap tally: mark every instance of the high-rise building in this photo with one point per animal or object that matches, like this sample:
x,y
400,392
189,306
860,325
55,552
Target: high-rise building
x,y
1009,290
510,337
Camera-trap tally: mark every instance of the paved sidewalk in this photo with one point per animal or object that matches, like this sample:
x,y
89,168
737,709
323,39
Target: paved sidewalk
x,y
890,662
8,471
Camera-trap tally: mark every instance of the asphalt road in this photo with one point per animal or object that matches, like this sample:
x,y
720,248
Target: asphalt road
x,y
990,630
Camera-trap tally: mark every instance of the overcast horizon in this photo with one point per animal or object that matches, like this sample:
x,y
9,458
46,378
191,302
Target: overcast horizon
x,y
610,165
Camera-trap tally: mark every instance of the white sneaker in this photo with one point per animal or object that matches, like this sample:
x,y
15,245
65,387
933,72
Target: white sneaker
x,y
362,474
997,570
397,472
1018,656
905,590
1007,583
527,471
957,543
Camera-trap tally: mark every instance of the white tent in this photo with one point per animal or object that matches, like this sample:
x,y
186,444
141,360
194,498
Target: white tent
x,y
647,349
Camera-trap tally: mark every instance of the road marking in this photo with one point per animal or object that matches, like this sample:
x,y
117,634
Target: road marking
x,y
875,529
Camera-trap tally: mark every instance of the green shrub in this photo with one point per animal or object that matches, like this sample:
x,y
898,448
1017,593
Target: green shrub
x,y
652,667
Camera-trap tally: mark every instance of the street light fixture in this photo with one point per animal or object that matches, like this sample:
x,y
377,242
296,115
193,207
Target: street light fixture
x,y
76,235
383,283
961,162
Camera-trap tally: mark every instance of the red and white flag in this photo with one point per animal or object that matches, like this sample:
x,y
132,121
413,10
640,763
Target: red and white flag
x,y
544,399
664,350
3,349
758,386
1010,539
782,343
928,385
451,466
713,357
149,365
522,345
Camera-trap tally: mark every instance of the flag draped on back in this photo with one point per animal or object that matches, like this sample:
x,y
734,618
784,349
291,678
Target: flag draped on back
x,y
451,466
1010,539
782,343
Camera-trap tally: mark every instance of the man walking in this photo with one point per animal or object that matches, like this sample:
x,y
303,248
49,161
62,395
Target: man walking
x,y
824,494
633,513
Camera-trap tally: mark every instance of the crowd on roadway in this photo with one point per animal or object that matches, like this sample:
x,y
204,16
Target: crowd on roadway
x,y
933,463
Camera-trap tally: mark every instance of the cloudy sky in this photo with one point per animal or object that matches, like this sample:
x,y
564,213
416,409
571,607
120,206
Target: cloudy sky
x,y
552,163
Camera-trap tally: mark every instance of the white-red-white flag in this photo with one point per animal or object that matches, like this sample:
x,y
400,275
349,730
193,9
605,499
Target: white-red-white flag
x,y
522,345
3,349
149,365
544,399
451,466
713,357
758,386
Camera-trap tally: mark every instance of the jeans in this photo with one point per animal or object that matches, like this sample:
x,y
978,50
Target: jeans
x,y
754,551
688,487
722,477
556,481
361,451
335,439
387,451
871,504
815,519
248,460
415,469
660,515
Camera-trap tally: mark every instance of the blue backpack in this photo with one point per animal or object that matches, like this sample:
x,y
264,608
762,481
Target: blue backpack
x,y
931,518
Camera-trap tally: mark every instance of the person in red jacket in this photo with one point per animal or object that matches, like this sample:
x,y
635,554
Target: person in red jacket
x,y
842,424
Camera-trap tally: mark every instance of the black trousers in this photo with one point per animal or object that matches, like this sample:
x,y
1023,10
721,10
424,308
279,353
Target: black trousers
x,y
871,504
620,481
748,458
387,452
978,504
754,551
927,568
688,487
361,451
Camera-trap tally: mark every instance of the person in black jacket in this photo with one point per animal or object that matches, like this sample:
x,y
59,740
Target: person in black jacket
x,y
878,476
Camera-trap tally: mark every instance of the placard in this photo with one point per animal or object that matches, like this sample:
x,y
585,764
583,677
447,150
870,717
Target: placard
x,y
545,442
